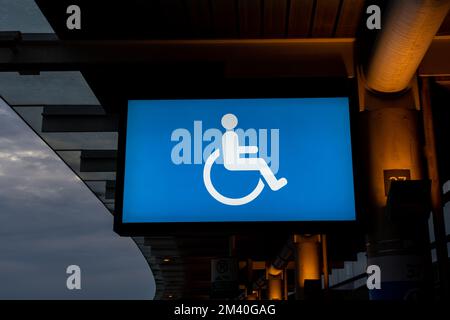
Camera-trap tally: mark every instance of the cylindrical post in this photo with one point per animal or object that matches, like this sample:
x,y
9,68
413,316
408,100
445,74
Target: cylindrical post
x,y
275,288
274,279
392,151
307,261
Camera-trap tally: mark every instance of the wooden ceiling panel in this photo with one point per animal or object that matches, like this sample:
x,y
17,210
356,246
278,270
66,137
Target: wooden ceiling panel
x,y
250,12
300,13
200,19
445,27
275,12
349,18
326,13
224,18
206,19
173,19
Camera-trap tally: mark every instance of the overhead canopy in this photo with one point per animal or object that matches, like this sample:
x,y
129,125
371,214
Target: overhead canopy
x,y
163,19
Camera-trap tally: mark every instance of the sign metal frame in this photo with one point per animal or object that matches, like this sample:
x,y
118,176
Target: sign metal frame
x,y
331,88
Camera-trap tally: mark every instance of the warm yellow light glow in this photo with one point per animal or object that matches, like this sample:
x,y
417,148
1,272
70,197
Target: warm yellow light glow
x,y
393,142
274,271
309,262
307,259
274,289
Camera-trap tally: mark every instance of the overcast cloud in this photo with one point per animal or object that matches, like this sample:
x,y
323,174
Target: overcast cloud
x,y
49,220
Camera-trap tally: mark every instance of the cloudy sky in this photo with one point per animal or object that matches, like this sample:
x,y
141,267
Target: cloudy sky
x,y
48,218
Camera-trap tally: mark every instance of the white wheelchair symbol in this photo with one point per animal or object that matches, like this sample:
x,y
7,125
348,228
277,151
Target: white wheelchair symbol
x,y
233,161
221,198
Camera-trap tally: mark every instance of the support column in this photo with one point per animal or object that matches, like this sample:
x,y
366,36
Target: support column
x,y
307,262
392,151
274,278
393,143
275,288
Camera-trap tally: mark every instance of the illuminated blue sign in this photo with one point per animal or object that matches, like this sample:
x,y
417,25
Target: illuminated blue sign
x,y
238,160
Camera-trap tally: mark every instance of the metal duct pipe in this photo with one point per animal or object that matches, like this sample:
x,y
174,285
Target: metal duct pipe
x,y
407,32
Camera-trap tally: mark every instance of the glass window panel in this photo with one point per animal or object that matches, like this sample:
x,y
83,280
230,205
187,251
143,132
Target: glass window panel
x,y
24,16
62,87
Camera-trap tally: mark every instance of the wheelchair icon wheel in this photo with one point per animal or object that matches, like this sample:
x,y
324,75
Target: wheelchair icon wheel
x,y
221,198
